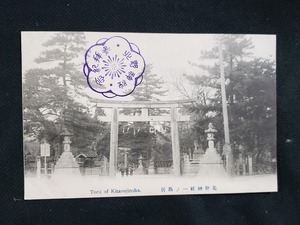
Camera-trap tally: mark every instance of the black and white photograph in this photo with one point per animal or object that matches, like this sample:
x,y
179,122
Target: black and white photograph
x,y
141,114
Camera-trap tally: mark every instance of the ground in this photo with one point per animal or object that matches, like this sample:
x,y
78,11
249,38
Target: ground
x,y
141,185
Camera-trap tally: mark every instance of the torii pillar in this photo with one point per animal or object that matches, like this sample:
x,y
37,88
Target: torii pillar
x,y
114,129
175,142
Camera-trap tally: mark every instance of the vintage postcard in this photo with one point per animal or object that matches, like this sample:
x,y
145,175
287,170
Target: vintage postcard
x,y
139,114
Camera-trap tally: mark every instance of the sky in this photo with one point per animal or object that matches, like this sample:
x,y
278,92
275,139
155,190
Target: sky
x,y
169,53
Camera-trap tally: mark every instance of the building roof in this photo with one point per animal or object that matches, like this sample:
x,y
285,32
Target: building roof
x,y
88,154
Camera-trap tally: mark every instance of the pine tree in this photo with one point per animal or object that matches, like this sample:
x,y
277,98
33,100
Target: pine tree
x,y
53,97
150,88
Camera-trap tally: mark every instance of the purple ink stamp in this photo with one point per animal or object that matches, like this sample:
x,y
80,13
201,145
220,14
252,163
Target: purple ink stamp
x,y
114,67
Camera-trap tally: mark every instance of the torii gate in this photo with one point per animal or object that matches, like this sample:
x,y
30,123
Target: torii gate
x,y
174,117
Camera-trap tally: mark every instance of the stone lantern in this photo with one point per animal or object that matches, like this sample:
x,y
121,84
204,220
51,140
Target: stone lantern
x,y
210,136
66,164
140,169
211,164
66,140
140,161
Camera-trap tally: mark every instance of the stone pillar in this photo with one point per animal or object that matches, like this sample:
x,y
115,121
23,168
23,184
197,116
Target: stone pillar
x,y
151,169
244,169
105,165
45,166
242,158
238,164
113,143
175,141
125,159
250,164
38,166
52,168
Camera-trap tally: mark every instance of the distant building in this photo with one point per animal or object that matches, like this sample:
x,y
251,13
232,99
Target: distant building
x,y
88,159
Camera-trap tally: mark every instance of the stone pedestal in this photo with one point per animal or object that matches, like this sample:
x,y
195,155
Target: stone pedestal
x,y
211,165
66,164
38,166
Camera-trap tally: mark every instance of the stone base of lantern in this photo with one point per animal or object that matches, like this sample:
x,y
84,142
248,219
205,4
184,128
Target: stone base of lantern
x,y
66,165
140,170
211,165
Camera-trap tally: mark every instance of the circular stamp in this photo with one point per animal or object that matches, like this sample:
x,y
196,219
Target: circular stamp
x,y
114,67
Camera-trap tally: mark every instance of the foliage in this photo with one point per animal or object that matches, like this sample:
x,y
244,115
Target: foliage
x,y
251,97
53,96
150,88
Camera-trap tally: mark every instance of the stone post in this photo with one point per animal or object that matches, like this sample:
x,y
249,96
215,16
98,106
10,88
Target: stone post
x,y
244,169
241,158
105,164
52,168
239,162
125,159
45,167
250,164
38,166
151,169
237,168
